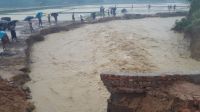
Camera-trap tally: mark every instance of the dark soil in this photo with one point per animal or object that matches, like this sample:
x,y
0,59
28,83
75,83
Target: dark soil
x,y
13,99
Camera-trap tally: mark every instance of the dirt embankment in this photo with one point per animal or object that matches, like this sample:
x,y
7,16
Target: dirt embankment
x,y
13,95
195,44
167,93
163,99
13,99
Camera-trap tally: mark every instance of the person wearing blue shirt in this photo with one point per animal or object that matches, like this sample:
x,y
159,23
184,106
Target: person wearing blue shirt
x,y
39,16
4,39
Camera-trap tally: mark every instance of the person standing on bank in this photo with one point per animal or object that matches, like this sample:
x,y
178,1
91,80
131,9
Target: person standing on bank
x,y
93,14
114,11
102,11
73,17
30,25
13,32
81,17
49,19
149,7
39,16
4,39
55,15
174,7
108,12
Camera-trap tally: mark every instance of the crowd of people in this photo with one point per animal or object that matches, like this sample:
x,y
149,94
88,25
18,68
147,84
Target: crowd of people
x,y
102,12
39,16
172,7
11,25
6,24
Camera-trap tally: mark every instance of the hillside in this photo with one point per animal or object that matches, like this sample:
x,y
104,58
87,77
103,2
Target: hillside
x,y
190,26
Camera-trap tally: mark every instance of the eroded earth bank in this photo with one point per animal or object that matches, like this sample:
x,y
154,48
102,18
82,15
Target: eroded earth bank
x,y
66,67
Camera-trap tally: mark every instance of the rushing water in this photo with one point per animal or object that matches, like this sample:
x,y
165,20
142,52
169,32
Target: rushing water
x,y
66,66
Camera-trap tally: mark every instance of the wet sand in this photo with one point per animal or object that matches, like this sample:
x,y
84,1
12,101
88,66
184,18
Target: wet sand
x,y
66,66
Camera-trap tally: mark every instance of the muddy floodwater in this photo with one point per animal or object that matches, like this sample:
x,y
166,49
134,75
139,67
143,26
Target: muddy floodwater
x,y
66,66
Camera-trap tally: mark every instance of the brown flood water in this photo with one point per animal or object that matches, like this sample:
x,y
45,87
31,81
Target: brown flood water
x,y
66,66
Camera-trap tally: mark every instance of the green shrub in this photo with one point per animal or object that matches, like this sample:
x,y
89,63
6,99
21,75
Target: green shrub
x,y
195,6
181,25
196,15
194,26
192,21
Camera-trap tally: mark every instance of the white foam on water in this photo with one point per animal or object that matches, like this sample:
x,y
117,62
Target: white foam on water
x,y
66,66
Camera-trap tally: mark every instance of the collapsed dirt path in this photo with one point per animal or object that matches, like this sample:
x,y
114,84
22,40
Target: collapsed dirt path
x,y
66,66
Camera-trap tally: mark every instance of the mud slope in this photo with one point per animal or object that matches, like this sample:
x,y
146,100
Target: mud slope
x,y
66,66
